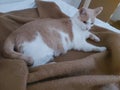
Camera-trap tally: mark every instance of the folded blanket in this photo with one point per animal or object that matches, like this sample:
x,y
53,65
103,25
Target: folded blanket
x,y
13,74
73,71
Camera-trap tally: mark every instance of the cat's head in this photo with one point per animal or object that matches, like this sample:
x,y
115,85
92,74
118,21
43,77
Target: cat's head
x,y
87,16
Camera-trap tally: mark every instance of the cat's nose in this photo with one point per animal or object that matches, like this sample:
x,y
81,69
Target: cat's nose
x,y
87,28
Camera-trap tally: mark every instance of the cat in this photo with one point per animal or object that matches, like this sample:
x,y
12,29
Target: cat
x,y
39,41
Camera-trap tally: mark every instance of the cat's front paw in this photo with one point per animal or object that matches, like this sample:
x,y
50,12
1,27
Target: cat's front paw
x,y
97,39
101,49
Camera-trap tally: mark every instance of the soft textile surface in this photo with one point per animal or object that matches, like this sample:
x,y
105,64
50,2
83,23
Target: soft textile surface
x,y
11,6
9,1
73,71
13,74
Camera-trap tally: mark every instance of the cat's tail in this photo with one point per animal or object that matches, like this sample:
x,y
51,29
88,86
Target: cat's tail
x,y
9,52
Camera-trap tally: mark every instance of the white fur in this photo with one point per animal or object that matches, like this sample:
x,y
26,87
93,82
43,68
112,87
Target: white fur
x,y
80,34
67,45
38,51
89,24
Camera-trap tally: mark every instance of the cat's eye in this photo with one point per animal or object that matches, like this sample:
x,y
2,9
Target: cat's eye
x,y
85,22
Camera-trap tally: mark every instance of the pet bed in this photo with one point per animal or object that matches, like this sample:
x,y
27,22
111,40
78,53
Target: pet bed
x,y
73,71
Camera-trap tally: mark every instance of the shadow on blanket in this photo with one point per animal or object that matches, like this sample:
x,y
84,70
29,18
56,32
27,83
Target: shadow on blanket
x,y
73,71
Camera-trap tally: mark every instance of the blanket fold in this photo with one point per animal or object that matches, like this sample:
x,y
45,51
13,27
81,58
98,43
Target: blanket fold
x,y
75,83
74,71
79,67
13,74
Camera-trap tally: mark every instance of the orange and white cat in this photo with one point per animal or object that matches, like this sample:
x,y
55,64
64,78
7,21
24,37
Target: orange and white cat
x,y
39,41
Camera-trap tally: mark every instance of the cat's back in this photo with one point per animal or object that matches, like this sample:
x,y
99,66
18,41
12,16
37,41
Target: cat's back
x,y
49,23
48,28
44,25
29,30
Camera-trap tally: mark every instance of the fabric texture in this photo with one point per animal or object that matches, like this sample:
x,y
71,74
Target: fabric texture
x,y
74,71
10,5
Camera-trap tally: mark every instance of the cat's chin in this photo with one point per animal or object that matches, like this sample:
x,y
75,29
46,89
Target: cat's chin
x,y
85,29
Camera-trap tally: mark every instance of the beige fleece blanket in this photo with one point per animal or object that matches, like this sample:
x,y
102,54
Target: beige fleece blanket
x,y
73,71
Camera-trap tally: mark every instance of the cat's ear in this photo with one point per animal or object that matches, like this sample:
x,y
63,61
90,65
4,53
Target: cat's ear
x,y
83,12
98,10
